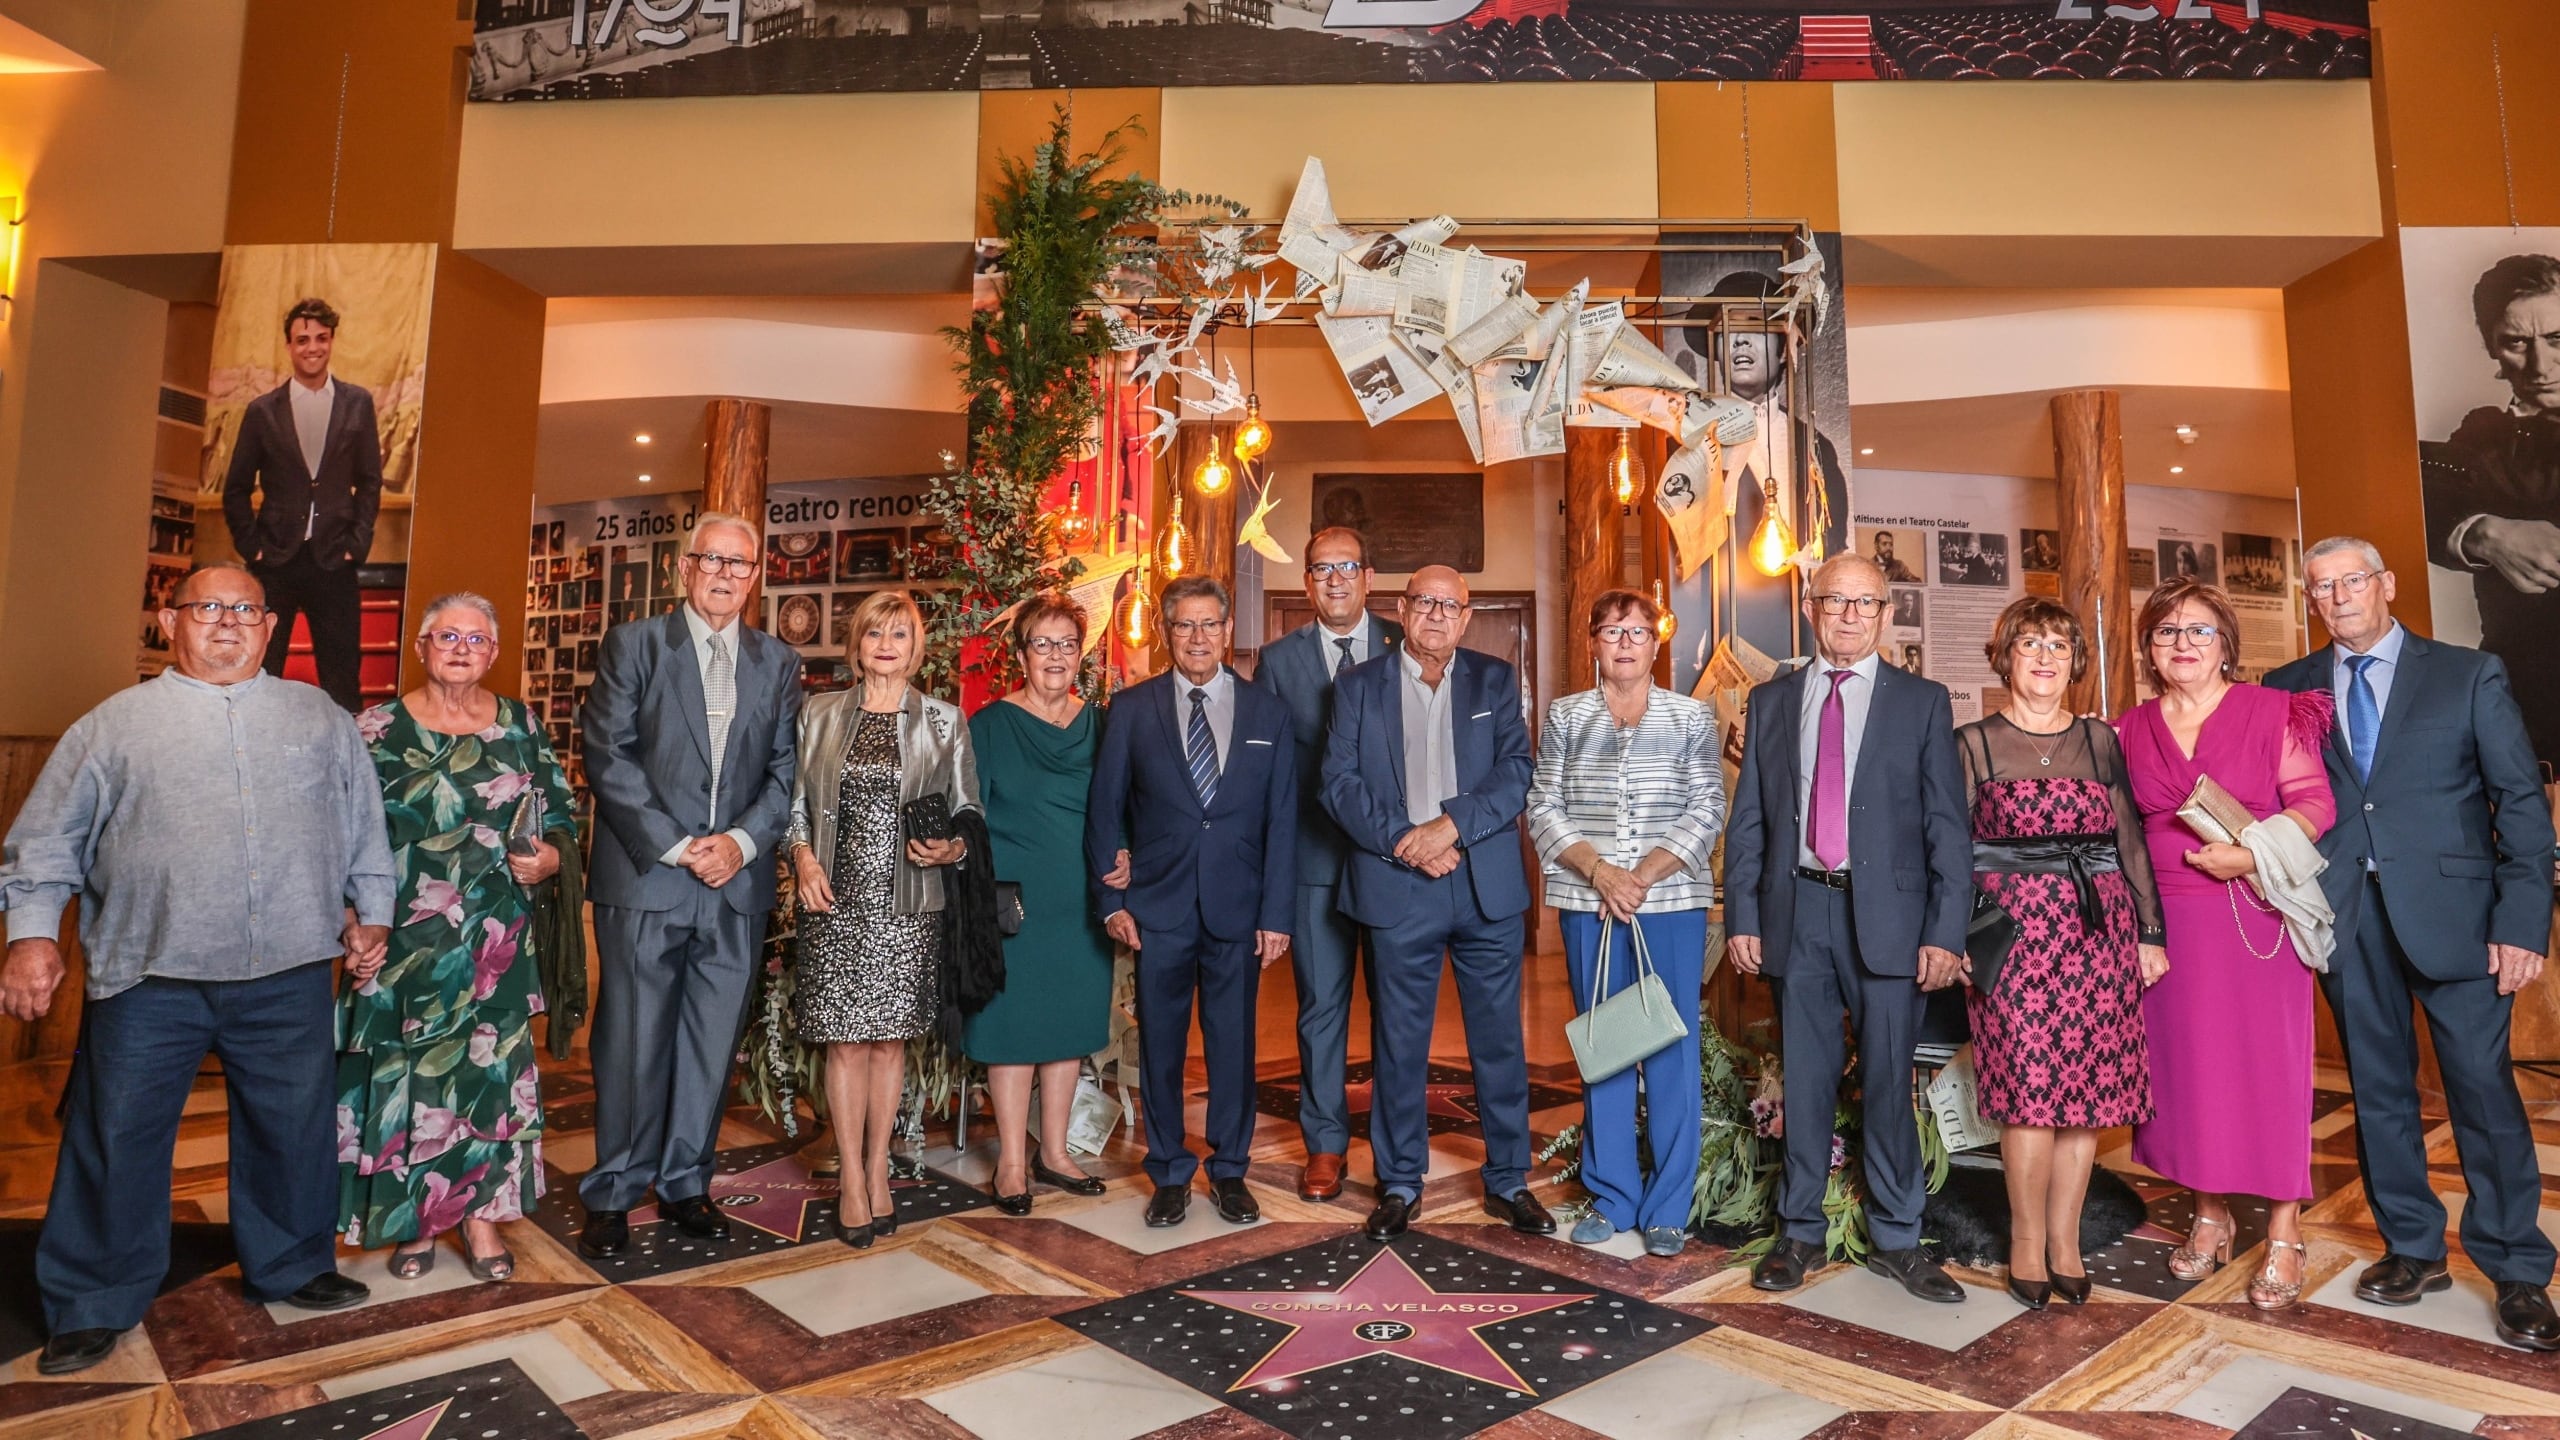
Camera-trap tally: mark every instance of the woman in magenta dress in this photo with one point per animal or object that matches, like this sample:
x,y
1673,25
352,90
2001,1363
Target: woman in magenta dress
x,y
2230,1024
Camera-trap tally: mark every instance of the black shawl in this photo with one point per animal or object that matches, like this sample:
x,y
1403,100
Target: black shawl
x,y
972,947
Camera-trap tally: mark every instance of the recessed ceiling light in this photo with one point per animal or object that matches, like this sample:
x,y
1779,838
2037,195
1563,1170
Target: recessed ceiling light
x,y
644,479
640,439
1869,450
2186,434
2174,470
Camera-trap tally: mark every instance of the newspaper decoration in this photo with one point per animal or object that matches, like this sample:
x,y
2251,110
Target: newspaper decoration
x,y
1385,377
1696,496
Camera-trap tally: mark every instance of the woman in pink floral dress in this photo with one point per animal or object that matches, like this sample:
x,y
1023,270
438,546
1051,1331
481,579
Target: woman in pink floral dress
x,y
439,1106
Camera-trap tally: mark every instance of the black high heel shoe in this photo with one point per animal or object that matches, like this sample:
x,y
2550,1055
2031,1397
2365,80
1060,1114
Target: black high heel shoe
x,y
2073,1288
2031,1293
1073,1184
857,1236
884,1219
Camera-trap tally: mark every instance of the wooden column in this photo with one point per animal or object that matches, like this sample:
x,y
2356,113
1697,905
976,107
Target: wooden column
x,y
1594,540
733,469
2088,468
1211,519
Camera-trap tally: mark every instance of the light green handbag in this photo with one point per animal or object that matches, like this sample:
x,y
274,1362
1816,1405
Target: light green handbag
x,y
1612,1034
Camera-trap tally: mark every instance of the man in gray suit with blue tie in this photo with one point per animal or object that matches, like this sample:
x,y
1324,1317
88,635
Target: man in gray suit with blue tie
x,y
1300,668
2440,874
689,733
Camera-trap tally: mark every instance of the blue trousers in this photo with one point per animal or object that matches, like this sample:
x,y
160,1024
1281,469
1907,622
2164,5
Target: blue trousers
x,y
1611,1169
105,1247
1405,980
1824,980
2370,986
1174,966
1323,950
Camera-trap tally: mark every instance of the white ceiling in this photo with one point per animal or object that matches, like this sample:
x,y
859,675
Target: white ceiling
x,y
587,449
2244,438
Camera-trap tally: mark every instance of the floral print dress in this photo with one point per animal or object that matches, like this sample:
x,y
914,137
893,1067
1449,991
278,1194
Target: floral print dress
x,y
439,1106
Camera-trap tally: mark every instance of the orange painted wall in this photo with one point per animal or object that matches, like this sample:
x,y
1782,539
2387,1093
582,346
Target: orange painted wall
x,y
1789,170
1012,122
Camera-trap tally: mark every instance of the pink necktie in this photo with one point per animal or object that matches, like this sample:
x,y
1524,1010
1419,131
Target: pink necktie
x,y
1830,819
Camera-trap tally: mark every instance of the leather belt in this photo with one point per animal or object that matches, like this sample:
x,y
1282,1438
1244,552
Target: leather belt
x,y
1831,879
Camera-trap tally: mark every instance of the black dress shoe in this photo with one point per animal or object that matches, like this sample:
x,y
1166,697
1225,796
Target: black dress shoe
x,y
2031,1293
1394,1213
1235,1203
329,1290
2401,1280
857,1236
606,1234
76,1350
696,1216
1917,1273
1521,1212
1786,1265
2524,1317
1170,1205
2074,1288
1073,1184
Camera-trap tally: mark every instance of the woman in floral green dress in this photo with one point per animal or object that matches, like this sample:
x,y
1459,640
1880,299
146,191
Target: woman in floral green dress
x,y
439,1108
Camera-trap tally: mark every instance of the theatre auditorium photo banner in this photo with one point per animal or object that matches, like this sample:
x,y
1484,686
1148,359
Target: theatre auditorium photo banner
x,y
639,49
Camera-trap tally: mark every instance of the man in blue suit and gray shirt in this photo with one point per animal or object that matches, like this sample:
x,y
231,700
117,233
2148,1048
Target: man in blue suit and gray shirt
x,y
1426,769
1194,780
2440,875
1848,883
1300,668
690,729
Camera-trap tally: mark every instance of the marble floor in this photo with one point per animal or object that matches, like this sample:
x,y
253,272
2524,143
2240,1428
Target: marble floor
x,y
1079,1323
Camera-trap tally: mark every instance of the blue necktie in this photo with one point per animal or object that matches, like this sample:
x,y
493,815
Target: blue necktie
x,y
1201,748
2364,717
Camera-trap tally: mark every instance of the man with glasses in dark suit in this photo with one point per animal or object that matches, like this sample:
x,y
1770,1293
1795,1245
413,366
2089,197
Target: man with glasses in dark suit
x,y
1300,668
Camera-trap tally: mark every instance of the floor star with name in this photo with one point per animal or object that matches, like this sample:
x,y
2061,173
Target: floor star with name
x,y
774,1197
1437,1099
1384,1309
420,1426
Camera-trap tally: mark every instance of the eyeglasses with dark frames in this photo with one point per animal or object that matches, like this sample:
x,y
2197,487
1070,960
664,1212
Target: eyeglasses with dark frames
x,y
1867,605
710,564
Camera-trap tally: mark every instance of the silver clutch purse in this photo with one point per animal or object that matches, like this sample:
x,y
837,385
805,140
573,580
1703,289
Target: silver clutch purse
x,y
1641,1020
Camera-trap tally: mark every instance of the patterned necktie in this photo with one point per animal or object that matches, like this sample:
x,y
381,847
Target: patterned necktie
x,y
1343,644
2364,717
1830,820
1201,748
719,702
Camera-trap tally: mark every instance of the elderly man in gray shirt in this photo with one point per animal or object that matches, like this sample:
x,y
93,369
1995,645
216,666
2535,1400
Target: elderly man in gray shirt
x,y
223,831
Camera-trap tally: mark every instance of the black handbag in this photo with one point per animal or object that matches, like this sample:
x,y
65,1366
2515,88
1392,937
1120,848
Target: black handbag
x,y
1008,907
927,817
1987,938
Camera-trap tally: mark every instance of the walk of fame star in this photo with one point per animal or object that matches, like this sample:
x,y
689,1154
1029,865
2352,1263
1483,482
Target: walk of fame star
x,y
420,1426
1385,1308
774,1197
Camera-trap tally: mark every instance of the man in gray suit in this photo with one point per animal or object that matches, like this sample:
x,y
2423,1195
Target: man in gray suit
x,y
689,733
1299,668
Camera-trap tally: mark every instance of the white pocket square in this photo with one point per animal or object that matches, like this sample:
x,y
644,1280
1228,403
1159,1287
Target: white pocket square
x,y
1479,715
1257,742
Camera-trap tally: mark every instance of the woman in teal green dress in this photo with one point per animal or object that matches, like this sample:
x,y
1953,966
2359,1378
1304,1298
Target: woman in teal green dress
x,y
1035,760
439,1106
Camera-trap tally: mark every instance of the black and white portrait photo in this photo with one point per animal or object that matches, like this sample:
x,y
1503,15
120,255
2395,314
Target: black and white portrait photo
x,y
1973,557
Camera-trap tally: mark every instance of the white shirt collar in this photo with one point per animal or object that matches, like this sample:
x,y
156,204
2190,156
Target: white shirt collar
x,y
325,390
2386,649
701,627
1864,669
1218,686
236,687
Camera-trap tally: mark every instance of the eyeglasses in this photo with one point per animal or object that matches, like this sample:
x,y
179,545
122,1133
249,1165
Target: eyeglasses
x,y
210,612
709,563
1319,569
1622,634
2351,583
1188,628
2196,636
2039,645
1841,604
461,640
1052,645
1435,605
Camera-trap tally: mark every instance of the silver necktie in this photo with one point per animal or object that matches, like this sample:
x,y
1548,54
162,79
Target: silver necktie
x,y
719,702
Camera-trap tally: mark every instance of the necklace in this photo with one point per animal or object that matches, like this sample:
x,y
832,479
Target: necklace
x,y
2044,753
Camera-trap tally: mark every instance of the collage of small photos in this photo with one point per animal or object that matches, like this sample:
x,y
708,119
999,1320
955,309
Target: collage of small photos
x,y
814,579
565,615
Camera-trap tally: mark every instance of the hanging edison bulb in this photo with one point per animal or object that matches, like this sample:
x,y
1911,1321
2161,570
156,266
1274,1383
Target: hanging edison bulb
x,y
1253,437
1773,543
1173,544
1213,477
1666,624
1137,612
1073,526
1622,467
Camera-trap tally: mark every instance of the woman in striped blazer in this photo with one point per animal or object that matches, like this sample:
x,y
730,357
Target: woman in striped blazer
x,y
1624,809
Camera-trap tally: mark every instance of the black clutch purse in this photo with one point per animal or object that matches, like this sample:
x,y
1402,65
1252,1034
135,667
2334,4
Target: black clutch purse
x,y
1987,939
1008,907
927,817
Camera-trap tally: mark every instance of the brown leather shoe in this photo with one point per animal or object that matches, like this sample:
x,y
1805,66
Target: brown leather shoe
x,y
1323,1178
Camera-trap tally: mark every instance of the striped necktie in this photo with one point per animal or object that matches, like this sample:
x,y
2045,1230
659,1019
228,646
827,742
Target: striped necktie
x,y
719,702
1201,748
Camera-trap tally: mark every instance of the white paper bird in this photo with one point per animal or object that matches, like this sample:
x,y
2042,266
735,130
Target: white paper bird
x,y
1200,319
1255,533
1124,336
1167,422
1154,365
1225,396
1805,282
1263,308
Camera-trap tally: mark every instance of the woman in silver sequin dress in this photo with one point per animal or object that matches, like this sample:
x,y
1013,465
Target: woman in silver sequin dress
x,y
870,928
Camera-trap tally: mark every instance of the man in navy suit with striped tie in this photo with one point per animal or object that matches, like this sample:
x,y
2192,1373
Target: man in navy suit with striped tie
x,y
1196,781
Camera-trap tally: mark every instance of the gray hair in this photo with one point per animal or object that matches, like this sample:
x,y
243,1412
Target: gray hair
x,y
2343,544
712,519
457,600
1194,587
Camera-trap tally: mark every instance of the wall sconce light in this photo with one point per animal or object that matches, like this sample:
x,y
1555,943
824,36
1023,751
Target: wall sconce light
x,y
13,222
